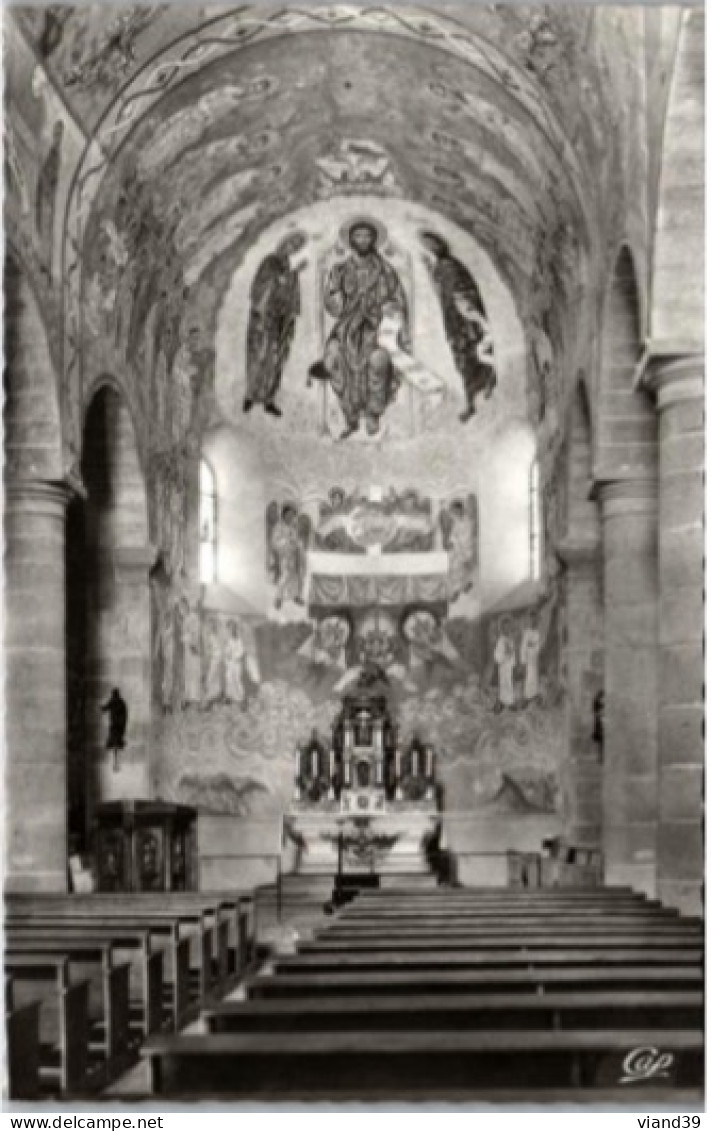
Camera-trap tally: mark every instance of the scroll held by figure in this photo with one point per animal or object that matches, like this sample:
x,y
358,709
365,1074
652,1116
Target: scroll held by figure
x,y
358,292
465,321
275,303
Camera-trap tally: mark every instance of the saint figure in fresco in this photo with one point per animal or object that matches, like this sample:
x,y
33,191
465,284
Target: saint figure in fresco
x,y
505,660
360,371
214,664
465,322
192,654
275,304
530,651
235,654
287,539
459,528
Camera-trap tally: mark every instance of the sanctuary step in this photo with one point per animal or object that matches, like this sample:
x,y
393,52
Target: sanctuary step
x,y
466,994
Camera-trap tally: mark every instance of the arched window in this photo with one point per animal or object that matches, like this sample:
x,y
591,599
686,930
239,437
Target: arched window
x,y
208,524
534,520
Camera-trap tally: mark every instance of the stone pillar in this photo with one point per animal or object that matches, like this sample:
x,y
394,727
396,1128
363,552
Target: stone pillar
x,y
124,661
677,380
629,793
35,688
581,558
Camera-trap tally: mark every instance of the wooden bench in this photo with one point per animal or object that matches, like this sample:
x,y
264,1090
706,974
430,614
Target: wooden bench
x,y
338,1064
523,955
347,944
23,1052
541,978
508,922
112,980
230,918
63,1019
556,1010
166,926
145,958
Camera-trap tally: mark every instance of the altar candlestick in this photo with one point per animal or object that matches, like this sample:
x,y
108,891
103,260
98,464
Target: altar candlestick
x,y
379,771
415,763
347,772
331,764
314,763
398,757
428,768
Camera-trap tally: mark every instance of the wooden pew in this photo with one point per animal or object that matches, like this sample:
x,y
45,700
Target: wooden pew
x,y
540,978
113,982
661,1009
145,957
338,1064
22,1052
166,926
514,940
505,922
64,1019
526,955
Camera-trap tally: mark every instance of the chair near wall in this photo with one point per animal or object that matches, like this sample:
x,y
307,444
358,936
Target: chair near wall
x,y
570,865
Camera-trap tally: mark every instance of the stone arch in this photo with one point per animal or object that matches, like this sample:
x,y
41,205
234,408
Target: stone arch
x,y
677,310
627,426
31,417
108,608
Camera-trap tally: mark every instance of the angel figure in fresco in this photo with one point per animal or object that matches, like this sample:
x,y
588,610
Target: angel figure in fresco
x,y
460,537
505,660
427,641
465,321
275,305
327,646
357,292
47,191
288,535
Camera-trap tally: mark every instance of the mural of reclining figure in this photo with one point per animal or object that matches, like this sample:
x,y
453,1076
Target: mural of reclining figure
x,y
359,369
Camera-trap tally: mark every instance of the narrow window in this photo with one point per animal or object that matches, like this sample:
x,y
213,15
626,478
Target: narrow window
x,y
208,525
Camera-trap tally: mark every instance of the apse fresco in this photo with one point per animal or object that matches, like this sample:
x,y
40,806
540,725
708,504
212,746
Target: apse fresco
x,y
384,584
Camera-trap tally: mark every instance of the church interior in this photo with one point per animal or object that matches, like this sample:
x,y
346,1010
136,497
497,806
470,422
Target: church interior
x,y
354,552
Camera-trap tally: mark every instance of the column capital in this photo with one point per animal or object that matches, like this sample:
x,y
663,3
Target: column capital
x,y
38,496
130,560
672,371
621,494
578,551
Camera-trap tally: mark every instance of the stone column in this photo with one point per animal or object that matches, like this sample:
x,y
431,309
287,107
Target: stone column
x,y
35,688
677,380
584,676
630,780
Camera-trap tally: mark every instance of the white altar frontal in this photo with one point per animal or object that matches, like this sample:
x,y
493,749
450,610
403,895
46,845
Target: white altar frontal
x,y
362,804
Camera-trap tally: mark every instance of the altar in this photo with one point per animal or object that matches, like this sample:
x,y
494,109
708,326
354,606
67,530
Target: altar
x,y
362,802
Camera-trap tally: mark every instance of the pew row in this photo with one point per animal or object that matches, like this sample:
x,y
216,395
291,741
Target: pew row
x,y
336,1063
145,959
665,1009
63,1006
